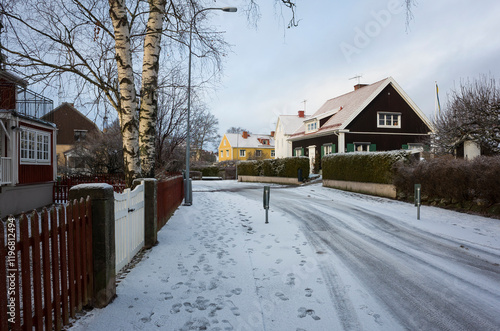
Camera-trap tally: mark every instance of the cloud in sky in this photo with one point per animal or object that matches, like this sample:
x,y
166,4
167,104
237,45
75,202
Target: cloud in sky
x,y
273,69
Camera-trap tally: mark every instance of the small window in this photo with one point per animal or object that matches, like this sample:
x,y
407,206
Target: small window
x,y
243,153
273,153
312,126
227,153
328,149
221,153
415,146
258,153
389,120
298,151
361,147
80,135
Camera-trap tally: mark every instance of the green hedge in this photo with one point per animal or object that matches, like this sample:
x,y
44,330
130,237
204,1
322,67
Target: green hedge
x,y
212,171
368,167
284,167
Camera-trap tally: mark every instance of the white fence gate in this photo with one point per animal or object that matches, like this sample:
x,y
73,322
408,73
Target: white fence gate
x,y
129,225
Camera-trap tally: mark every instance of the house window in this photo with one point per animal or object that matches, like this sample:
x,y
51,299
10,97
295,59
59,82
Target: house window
x,y
227,153
265,142
273,153
80,135
35,146
415,146
221,153
389,120
298,151
328,149
362,147
312,126
243,153
258,153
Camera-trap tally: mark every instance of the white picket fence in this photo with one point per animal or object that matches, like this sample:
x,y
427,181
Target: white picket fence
x,y
129,225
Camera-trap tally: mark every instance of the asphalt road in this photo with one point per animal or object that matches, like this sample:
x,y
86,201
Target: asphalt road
x,y
424,281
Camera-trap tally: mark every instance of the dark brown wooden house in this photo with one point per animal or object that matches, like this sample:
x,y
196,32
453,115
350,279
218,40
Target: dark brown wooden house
x,y
27,147
72,126
375,117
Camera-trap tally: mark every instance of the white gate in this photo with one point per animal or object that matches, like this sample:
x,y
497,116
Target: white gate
x,y
129,224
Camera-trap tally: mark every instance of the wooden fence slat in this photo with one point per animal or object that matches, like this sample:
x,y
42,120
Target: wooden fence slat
x,y
78,260
17,298
37,271
90,267
47,286
56,294
3,279
25,272
71,260
64,264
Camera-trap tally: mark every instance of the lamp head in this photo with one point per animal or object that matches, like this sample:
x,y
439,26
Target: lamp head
x,y
230,9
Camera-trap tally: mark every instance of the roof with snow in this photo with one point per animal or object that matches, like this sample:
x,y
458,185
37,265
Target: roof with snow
x,y
291,122
252,141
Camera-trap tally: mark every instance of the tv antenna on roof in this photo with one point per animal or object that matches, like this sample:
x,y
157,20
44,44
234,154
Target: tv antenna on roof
x,y
358,77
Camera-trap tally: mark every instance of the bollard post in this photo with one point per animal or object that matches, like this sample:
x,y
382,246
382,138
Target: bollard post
x,y
266,198
418,188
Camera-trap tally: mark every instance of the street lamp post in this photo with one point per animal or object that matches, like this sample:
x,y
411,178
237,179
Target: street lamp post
x,y
188,192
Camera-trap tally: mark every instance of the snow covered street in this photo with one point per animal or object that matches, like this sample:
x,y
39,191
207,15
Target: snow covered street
x,y
328,260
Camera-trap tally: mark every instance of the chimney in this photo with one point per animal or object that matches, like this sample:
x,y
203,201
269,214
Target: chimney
x,y
245,135
301,113
272,134
358,86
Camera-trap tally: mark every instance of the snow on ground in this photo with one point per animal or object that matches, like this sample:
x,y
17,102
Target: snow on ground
x,y
218,266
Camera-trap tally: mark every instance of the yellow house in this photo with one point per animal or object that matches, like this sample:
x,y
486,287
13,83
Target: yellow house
x,y
246,146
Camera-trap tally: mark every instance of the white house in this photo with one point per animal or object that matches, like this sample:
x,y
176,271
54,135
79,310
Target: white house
x,y
286,125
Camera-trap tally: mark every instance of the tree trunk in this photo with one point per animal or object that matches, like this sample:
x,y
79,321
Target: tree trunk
x,y
148,113
128,100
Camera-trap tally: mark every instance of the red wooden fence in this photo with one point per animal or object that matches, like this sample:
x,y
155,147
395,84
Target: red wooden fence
x,y
170,193
48,274
62,186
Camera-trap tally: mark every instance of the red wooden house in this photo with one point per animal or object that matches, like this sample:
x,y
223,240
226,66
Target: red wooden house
x,y
27,147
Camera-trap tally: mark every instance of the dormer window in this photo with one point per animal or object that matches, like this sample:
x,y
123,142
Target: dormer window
x,y
389,120
311,126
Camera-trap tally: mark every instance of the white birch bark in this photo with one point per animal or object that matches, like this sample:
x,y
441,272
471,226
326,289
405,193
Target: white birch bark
x,y
128,114
149,101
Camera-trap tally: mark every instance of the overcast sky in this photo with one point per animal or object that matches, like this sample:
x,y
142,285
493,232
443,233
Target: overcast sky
x,y
271,69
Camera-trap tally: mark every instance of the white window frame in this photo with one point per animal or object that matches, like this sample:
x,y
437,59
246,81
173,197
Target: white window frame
x,y
273,153
243,152
227,152
35,147
312,126
298,151
390,120
362,147
258,153
415,146
328,149
221,154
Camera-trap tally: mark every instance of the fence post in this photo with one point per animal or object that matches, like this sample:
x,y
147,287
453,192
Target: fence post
x,y
103,239
150,212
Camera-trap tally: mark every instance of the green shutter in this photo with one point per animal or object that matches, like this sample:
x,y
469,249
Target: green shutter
x,y
373,147
404,147
302,152
350,148
334,148
322,151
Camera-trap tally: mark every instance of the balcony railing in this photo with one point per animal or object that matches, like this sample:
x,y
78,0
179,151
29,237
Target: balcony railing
x,y
5,170
27,102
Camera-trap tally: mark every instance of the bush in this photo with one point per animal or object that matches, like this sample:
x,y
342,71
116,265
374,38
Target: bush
x,y
452,179
372,167
211,171
284,167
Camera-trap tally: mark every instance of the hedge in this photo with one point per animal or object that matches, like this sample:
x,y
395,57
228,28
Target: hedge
x,y
368,167
455,180
212,171
283,167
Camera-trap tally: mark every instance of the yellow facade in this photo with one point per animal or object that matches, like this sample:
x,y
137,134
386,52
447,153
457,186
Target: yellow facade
x,y
228,152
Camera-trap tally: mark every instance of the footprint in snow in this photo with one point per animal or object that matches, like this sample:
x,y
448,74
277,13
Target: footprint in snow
x,y
303,312
309,292
176,308
281,296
